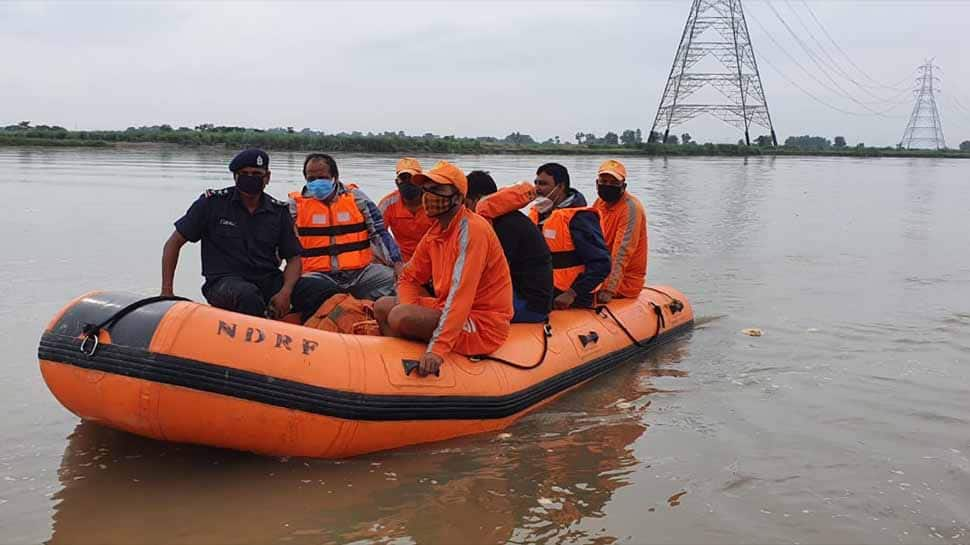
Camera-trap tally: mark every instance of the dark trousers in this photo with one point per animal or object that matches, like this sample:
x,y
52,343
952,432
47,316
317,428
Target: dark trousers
x,y
251,295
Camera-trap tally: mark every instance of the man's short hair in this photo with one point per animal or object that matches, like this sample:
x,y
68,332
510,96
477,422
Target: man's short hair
x,y
558,172
480,183
322,157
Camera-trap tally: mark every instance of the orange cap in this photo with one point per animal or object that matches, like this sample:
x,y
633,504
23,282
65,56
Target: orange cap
x,y
409,165
443,173
614,168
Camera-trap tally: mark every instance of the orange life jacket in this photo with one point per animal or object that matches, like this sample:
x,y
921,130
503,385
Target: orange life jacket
x,y
333,235
566,264
343,313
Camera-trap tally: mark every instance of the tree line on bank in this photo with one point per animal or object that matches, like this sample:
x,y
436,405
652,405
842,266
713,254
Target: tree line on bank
x,y
288,138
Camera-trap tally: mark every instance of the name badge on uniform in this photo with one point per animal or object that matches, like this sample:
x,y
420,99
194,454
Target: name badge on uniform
x,y
549,233
343,217
320,219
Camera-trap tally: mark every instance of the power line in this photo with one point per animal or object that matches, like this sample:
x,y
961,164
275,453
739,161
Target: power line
x,y
959,107
894,86
814,58
954,97
812,77
809,94
840,70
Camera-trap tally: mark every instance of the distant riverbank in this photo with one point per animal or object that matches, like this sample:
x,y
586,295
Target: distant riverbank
x,y
400,144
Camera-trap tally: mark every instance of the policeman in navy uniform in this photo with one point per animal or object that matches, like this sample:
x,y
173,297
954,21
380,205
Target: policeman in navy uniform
x,y
245,234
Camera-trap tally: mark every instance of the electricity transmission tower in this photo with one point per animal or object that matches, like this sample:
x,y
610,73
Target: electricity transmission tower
x,y
924,130
716,28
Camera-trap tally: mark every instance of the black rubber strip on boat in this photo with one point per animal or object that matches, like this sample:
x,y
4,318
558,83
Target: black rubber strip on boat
x,y
246,385
136,330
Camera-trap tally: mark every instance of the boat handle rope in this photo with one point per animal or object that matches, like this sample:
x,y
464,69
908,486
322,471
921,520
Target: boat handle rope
x,y
91,331
546,334
675,306
605,311
411,365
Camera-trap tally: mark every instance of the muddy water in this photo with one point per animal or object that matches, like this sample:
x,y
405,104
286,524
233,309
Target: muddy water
x,y
848,421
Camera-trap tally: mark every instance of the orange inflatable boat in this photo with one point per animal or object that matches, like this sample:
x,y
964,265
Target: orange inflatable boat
x,y
185,372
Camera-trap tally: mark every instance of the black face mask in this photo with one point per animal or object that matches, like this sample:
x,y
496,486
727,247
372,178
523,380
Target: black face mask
x,y
609,193
250,184
409,191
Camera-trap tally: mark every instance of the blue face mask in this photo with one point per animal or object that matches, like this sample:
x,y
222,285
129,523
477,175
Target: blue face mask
x,y
320,188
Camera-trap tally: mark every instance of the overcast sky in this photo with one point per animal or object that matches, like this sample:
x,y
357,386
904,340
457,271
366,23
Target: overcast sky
x,y
544,68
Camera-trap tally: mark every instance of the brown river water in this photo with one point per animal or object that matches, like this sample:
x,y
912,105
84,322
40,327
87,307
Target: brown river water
x,y
847,422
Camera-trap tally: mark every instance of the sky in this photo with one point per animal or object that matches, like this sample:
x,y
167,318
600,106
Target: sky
x,y
546,68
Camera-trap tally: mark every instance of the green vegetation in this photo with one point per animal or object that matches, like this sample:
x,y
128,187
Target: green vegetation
x,y
627,142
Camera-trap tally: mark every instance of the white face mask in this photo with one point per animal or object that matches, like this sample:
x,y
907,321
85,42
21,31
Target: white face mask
x,y
543,204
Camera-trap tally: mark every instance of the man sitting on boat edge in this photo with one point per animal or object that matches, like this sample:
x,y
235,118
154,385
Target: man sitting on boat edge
x,y
342,232
624,224
530,262
580,257
402,210
245,233
463,257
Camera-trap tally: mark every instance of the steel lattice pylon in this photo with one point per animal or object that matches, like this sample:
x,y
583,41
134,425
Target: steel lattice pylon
x,y
924,128
729,42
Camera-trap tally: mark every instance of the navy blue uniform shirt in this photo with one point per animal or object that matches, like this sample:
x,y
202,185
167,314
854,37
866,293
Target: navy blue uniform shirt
x,y
235,242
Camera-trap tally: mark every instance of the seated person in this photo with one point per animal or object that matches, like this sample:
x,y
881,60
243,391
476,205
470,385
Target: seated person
x,y
463,258
625,229
580,258
402,210
341,230
530,262
245,233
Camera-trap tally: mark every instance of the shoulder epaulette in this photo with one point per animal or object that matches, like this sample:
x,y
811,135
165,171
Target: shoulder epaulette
x,y
224,192
274,200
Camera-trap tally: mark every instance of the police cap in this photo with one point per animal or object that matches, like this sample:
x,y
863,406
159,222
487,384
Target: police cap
x,y
252,157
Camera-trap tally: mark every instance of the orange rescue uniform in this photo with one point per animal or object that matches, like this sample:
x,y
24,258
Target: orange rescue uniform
x,y
406,227
624,226
472,283
506,200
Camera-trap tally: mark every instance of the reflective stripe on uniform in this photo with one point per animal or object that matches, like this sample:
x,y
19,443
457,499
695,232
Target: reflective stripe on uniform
x,y
388,201
620,260
455,280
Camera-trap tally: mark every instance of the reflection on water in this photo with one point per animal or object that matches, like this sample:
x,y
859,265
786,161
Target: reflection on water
x,y
545,481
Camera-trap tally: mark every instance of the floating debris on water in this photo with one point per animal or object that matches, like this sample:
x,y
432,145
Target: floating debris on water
x,y
504,436
753,332
674,500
